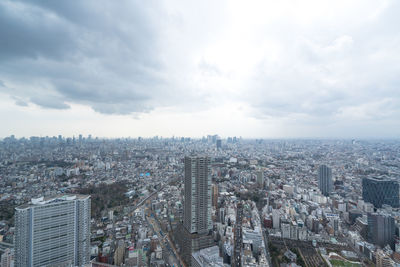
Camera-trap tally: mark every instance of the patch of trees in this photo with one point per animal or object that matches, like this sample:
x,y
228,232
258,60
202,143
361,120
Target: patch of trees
x,y
106,196
277,256
6,211
254,196
55,163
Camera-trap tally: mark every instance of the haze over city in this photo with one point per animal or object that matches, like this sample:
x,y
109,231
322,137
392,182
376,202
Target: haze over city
x,y
270,69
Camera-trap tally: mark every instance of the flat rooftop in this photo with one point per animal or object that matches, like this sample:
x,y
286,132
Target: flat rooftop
x,y
47,200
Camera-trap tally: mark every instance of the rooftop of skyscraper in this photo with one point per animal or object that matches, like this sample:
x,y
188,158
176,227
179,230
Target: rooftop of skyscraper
x,y
52,199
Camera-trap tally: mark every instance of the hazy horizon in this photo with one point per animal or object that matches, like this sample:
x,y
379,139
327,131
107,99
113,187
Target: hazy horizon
x,y
76,136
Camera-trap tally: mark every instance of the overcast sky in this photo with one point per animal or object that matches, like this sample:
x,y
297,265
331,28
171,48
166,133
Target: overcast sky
x,y
191,68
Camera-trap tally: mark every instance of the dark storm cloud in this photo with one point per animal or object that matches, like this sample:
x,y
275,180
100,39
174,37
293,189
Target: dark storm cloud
x,y
20,102
88,52
27,31
49,102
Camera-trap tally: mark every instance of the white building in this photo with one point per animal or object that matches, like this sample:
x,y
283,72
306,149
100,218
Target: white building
x,y
53,231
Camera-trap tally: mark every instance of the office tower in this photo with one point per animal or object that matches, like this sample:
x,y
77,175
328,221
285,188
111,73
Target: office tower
x,y
260,178
379,191
197,213
325,183
219,143
53,232
381,229
215,195
237,261
194,234
336,226
222,215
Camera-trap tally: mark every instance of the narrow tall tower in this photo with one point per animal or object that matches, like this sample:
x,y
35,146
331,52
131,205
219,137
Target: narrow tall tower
x,y
197,213
325,183
237,253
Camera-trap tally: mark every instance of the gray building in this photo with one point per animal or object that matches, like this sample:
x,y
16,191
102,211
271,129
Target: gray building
x,y
325,182
208,257
197,212
260,178
194,234
379,191
381,229
53,232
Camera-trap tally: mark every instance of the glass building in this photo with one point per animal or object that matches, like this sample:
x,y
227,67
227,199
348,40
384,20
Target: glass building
x,y
379,191
325,182
381,229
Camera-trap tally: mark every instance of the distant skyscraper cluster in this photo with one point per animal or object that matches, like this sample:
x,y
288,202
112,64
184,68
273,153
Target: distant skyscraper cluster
x,y
53,232
325,182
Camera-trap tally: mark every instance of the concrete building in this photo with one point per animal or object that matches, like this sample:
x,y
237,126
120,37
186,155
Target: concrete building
x,y
381,229
383,260
325,183
53,231
195,233
219,143
237,261
7,258
215,195
260,178
197,213
190,243
208,257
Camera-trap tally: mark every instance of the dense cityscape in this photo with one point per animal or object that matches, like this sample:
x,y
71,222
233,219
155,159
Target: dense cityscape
x,y
213,201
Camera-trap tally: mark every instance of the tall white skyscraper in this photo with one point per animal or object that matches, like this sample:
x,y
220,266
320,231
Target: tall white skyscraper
x,y
325,182
53,232
197,212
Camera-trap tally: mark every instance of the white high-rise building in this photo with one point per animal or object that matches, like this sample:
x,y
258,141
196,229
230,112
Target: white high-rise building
x,y
197,212
53,232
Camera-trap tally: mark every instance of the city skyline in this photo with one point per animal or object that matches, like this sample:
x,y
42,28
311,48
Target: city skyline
x,y
184,202
313,69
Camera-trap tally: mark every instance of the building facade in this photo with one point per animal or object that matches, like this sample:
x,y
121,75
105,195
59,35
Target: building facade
x,y
380,191
260,178
197,208
53,232
194,234
7,258
381,229
325,182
